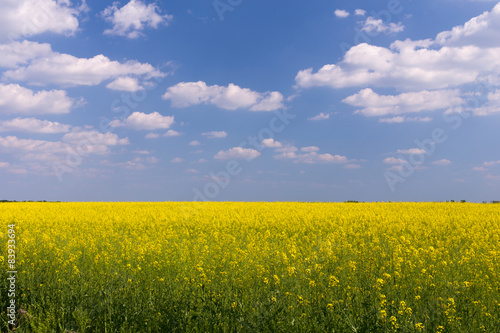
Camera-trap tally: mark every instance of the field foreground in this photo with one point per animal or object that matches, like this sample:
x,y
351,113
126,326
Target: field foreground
x,y
253,267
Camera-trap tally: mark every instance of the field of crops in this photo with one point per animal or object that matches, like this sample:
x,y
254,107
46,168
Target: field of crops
x,y
253,267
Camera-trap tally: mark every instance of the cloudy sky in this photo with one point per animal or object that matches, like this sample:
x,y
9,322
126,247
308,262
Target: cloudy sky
x,y
250,100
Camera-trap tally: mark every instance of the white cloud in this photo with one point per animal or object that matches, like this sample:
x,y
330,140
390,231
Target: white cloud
x,y
142,152
171,133
269,102
482,169
310,155
393,160
4,165
372,25
442,162
20,100
137,163
177,160
152,136
129,84
192,171
50,67
400,119
492,177
215,134
360,12
321,116
271,143
482,31
309,149
491,163
194,143
492,106
352,166
131,19
237,153
21,53
314,157
341,13
415,151
232,97
143,121
86,142
95,138
25,18
454,59
374,104
18,171
33,125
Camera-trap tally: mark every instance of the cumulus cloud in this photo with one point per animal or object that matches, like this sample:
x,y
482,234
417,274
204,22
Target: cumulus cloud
x,y
492,106
314,157
215,134
372,25
352,166
360,12
491,163
454,58
308,155
194,143
130,20
86,142
26,18
94,137
401,119
20,100
416,151
171,133
49,67
143,121
12,144
309,149
177,160
33,125
268,102
271,143
374,104
482,31
321,116
394,160
232,97
15,54
442,162
237,153
137,163
407,65
130,84
341,13
42,156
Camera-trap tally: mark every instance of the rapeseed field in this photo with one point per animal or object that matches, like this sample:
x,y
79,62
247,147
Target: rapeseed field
x,y
253,267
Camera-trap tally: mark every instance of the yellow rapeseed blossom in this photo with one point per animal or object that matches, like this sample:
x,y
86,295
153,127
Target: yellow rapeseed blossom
x,y
198,266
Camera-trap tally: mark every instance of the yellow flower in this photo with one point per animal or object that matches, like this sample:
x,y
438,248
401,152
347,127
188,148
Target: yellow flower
x,y
419,326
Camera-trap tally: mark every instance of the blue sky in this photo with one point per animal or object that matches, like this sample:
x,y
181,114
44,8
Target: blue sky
x,y
249,100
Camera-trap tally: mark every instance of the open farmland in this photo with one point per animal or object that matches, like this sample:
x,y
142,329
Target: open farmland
x,y
254,267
